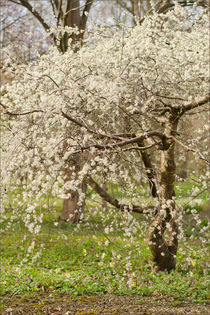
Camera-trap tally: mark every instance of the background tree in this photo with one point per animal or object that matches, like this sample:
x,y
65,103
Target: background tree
x,y
151,77
56,15
137,9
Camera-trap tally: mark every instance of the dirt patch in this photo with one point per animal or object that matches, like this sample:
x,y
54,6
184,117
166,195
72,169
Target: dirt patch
x,y
99,305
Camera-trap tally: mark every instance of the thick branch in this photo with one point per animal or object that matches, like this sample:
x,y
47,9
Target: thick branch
x,y
117,144
195,104
126,142
83,125
59,9
85,14
114,202
35,13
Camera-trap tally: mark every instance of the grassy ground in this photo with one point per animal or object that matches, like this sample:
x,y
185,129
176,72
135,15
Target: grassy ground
x,y
83,260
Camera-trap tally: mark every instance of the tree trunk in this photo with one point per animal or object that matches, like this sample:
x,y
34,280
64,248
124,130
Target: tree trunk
x,y
73,19
73,207
164,250
148,169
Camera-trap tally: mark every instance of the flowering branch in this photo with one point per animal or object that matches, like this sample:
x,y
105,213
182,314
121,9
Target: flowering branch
x,y
190,149
129,141
83,125
21,114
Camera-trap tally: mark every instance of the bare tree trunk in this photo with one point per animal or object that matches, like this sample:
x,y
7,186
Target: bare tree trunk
x,y
164,251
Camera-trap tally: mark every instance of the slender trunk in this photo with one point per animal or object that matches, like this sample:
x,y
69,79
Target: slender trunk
x,y
104,187
73,19
163,232
149,169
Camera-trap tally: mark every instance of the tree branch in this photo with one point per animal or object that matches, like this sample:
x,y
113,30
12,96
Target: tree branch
x,y
124,6
58,6
20,114
114,202
13,22
195,104
139,148
36,14
85,13
83,125
190,149
126,142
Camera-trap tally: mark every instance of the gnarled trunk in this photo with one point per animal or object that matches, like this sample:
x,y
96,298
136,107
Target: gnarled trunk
x,y
163,232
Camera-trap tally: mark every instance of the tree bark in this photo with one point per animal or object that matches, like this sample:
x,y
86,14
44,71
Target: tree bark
x,y
71,210
164,251
148,169
111,200
73,207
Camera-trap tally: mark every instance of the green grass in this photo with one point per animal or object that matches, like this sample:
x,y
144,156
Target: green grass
x,y
82,263
83,260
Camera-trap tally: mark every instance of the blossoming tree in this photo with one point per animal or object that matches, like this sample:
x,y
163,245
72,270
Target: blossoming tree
x,y
122,99
59,18
65,23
